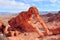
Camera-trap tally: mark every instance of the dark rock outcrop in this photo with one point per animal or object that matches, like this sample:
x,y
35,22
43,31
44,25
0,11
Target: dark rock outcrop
x,y
54,18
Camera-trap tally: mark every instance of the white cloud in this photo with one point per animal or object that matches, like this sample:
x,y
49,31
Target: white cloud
x,y
53,1
38,0
12,4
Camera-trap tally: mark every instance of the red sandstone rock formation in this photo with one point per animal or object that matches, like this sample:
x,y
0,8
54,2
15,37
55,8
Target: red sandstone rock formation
x,y
55,31
23,21
20,22
55,18
2,27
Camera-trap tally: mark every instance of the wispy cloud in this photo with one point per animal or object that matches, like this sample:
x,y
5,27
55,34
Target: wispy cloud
x,y
19,5
13,5
55,3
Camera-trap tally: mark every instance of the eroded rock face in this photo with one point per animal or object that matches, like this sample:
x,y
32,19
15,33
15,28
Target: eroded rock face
x,y
0,22
55,31
21,21
2,27
12,22
54,18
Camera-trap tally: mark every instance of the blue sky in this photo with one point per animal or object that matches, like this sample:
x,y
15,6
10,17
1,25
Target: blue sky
x,y
23,5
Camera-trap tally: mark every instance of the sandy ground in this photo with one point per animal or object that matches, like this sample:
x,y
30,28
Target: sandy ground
x,y
34,36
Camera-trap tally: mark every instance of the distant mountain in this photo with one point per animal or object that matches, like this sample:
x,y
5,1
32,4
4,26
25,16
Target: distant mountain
x,y
7,13
46,12
41,12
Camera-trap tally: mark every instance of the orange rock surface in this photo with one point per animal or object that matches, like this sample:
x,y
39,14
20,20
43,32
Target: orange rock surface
x,y
20,21
55,31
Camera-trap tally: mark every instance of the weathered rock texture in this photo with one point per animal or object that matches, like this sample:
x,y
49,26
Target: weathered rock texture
x,y
54,18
